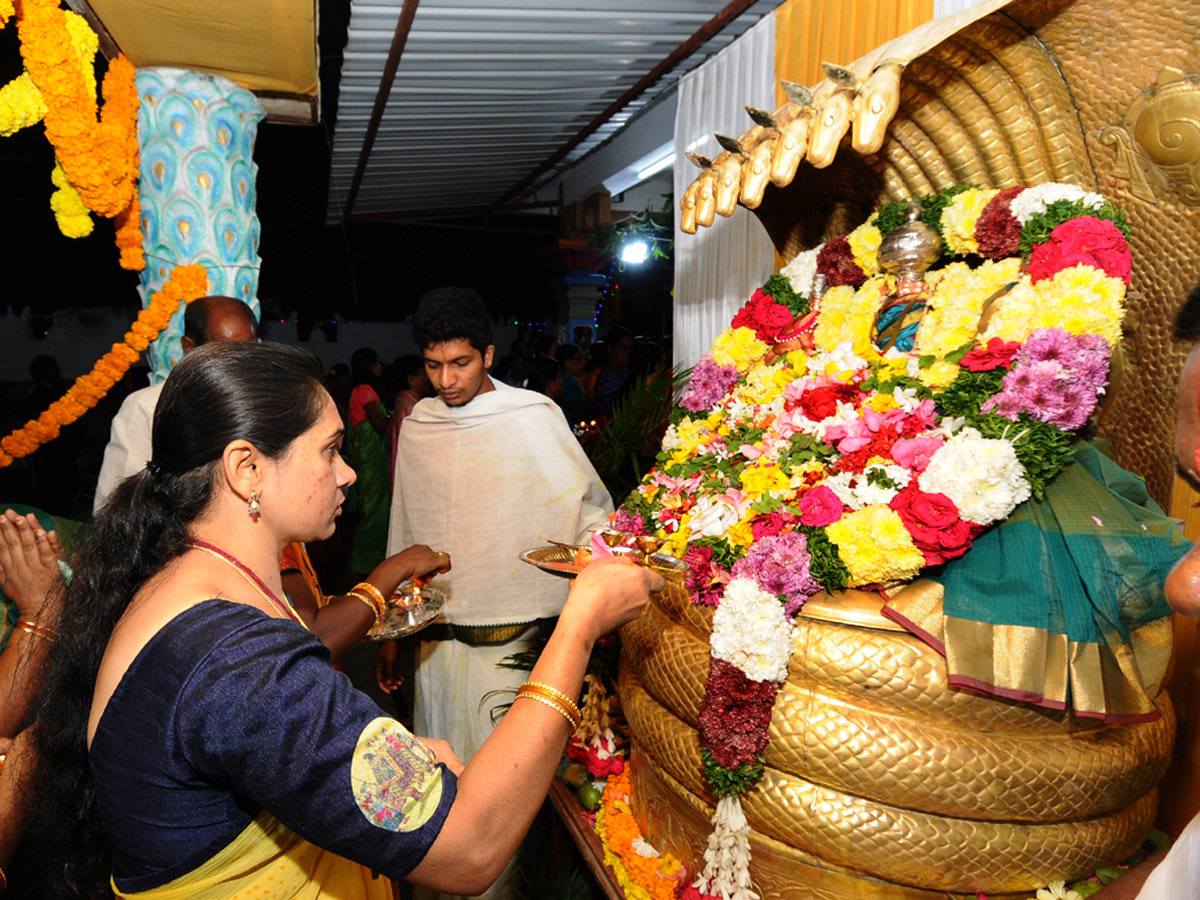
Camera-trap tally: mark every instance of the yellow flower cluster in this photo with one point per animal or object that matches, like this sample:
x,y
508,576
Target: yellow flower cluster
x,y
961,215
875,546
738,347
187,284
849,315
6,11
958,295
764,383
69,211
757,480
1081,300
20,105
864,245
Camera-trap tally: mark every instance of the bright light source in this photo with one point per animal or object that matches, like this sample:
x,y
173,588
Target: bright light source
x,y
634,252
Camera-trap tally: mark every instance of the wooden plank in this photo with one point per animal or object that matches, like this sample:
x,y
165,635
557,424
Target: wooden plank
x,y
566,804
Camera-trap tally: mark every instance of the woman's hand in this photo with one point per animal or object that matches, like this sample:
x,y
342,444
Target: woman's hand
x,y
609,593
417,561
444,753
29,572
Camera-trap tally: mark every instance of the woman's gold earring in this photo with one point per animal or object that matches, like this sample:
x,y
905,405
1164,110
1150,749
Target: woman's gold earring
x,y
254,506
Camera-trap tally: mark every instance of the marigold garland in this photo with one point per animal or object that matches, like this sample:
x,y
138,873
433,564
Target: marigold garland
x,y
69,209
187,283
100,159
642,877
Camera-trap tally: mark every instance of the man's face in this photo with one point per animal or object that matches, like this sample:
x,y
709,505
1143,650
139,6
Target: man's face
x,y
457,371
1187,430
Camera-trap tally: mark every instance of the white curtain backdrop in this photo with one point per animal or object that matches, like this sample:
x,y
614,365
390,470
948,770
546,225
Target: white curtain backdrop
x,y
718,268
949,7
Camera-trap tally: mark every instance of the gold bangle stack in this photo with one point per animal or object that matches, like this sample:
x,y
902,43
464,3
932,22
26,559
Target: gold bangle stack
x,y
555,699
370,595
30,627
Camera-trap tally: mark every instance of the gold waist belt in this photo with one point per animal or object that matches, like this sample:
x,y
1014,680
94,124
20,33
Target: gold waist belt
x,y
477,635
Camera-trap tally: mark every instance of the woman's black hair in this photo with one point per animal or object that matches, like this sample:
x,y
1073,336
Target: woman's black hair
x,y
361,361
539,372
267,394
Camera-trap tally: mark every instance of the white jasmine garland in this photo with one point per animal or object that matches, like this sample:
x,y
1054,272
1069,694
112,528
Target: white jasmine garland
x,y
727,859
750,631
981,475
1033,201
800,271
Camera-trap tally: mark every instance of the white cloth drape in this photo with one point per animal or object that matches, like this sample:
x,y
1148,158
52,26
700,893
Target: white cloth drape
x,y
718,268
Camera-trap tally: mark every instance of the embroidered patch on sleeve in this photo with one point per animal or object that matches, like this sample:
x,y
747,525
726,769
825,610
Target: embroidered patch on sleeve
x,y
395,779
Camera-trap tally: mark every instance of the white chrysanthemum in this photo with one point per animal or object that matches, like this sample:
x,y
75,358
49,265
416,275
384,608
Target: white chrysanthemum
x,y
727,858
981,475
711,517
671,438
855,491
750,631
1032,201
800,271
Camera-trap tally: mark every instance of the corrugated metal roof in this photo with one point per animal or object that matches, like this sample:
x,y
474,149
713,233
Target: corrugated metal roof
x,y
484,94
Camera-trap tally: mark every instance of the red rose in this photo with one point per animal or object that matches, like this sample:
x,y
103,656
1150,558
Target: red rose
x,y
768,318
933,522
1087,241
821,402
771,524
997,353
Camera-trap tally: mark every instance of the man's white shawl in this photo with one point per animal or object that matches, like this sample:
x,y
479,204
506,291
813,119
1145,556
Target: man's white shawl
x,y
485,481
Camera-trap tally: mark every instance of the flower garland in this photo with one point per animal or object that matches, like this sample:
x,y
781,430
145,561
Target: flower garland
x,y
790,470
187,284
98,160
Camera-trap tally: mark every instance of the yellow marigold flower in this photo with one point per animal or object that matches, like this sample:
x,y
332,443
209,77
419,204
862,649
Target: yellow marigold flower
x,y
797,360
959,218
676,544
72,216
738,347
6,11
864,245
1081,299
875,546
939,375
21,105
760,479
882,402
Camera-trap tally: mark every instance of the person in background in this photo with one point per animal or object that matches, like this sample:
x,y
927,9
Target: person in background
x,y
615,372
32,582
544,344
410,371
367,453
337,382
207,319
573,400
542,375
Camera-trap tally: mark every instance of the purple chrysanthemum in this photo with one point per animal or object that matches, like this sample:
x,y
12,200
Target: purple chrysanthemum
x,y
780,565
1057,377
709,383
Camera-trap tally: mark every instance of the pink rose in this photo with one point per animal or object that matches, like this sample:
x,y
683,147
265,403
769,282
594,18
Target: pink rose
x,y
914,453
820,507
1087,241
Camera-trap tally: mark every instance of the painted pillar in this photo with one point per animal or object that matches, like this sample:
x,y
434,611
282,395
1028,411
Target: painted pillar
x,y
197,189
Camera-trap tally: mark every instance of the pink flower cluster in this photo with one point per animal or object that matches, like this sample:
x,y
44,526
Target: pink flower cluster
x,y
709,384
1057,377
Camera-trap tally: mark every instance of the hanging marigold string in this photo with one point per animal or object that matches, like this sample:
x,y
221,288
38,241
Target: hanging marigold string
x,y
187,284
98,158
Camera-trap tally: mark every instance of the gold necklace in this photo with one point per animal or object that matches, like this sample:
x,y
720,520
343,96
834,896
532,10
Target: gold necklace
x,y
249,577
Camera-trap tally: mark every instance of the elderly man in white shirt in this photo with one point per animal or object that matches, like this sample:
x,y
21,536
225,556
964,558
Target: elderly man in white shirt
x,y
206,319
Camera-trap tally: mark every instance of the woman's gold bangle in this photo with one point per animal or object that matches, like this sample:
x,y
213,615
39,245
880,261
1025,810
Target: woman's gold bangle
x,y
546,701
561,701
374,593
366,599
555,693
3,881
30,627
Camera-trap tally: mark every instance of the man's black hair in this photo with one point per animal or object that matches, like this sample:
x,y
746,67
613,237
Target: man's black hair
x,y
451,314
1187,320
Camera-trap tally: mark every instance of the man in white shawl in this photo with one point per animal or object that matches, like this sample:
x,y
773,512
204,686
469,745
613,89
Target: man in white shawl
x,y
485,471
